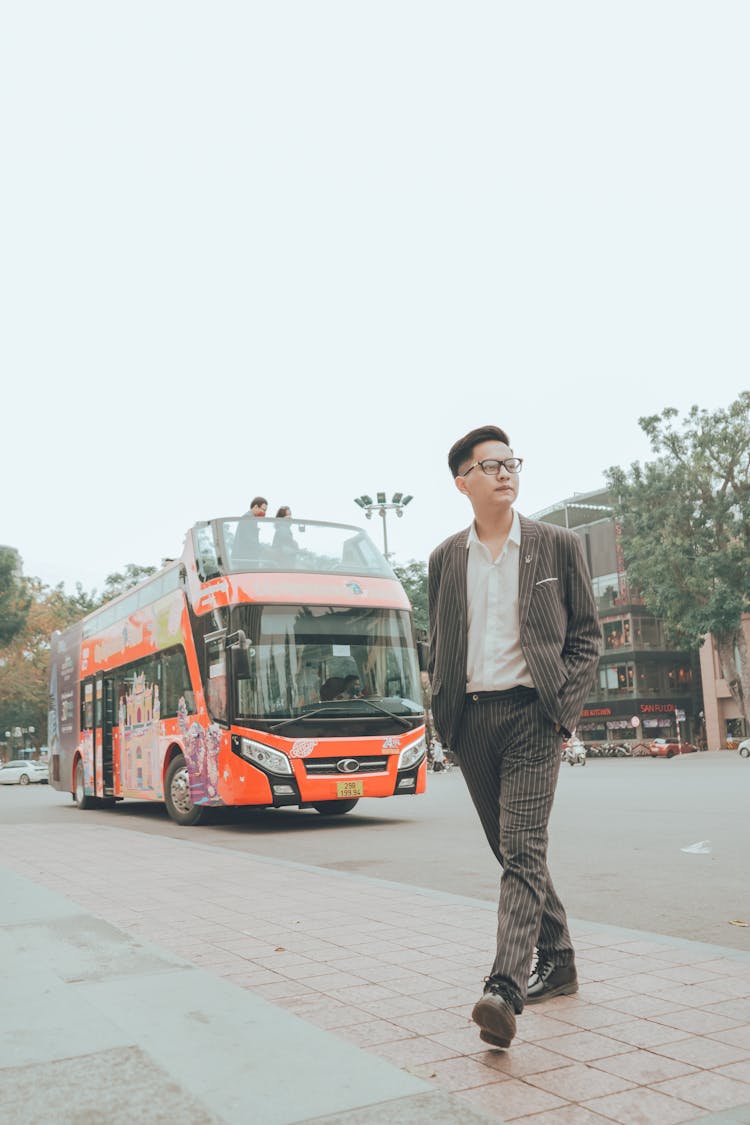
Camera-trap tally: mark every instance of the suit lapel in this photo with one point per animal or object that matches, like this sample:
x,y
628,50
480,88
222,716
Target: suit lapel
x,y
459,579
527,566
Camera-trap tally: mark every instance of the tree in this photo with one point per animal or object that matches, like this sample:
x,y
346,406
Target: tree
x,y
413,577
686,530
24,662
14,597
119,582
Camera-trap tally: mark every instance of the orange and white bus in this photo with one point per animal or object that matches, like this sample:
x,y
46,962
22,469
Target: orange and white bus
x,y
273,664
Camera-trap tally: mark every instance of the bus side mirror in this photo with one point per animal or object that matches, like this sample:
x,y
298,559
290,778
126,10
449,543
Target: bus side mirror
x,y
237,639
423,655
240,646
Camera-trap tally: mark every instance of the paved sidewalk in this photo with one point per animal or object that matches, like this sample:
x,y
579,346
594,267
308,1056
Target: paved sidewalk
x,y
341,998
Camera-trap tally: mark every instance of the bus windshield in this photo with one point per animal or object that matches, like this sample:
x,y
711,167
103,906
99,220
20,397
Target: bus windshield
x,y
348,661
286,544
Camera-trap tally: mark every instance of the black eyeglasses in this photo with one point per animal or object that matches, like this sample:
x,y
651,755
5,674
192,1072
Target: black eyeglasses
x,y
492,467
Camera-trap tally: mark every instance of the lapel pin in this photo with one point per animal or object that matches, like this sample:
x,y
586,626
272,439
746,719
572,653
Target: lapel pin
x,y
528,558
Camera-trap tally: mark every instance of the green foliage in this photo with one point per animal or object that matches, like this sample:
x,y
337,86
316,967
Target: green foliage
x,y
686,530
686,519
14,597
81,602
119,582
413,577
24,661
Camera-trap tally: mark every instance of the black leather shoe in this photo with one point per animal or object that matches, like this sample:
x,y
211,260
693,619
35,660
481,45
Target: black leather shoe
x,y
494,1040
549,979
495,1016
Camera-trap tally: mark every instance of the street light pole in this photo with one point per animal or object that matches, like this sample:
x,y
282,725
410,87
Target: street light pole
x,y
385,531
396,504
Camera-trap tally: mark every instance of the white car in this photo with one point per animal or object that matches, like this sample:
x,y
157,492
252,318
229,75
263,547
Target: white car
x,y
23,773
744,748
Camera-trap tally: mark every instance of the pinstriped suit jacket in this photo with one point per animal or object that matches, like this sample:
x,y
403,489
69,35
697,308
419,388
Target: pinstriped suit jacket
x,y
560,634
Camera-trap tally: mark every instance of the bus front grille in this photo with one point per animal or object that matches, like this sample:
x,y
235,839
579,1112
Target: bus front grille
x,y
328,767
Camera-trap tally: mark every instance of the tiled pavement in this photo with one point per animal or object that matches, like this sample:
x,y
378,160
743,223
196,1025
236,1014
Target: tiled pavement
x,y
659,1032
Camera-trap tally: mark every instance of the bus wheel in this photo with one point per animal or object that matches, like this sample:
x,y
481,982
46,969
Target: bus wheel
x,y
79,795
335,808
177,794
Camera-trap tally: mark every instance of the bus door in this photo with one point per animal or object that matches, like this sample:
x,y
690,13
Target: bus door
x,y
104,714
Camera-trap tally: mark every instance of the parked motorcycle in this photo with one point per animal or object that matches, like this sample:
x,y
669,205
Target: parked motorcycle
x,y
574,752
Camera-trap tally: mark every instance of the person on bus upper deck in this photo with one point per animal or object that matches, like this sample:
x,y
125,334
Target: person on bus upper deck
x,y
246,544
514,648
283,539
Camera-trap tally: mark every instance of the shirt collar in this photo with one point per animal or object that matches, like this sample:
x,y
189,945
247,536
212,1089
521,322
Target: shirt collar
x,y
514,535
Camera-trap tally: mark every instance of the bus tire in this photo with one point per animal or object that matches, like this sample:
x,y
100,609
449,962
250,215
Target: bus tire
x,y
82,800
177,794
335,808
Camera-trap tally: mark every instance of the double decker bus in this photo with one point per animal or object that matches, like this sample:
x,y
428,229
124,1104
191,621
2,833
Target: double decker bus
x,y
273,664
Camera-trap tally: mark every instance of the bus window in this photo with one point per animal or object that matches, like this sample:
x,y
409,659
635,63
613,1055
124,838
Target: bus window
x,y
176,683
254,544
298,650
87,707
206,556
216,664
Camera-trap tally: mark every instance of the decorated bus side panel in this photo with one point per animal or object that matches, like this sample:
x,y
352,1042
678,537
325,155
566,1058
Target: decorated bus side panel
x,y
64,705
151,720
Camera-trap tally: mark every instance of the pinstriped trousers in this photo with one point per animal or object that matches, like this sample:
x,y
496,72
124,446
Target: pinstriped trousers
x,y
510,752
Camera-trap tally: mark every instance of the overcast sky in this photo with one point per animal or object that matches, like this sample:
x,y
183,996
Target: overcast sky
x,y
297,248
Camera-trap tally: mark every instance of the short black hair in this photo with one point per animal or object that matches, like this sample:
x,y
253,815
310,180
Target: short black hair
x,y
462,449
257,501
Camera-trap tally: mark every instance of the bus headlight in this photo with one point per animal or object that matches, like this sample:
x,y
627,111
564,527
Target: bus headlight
x,y
412,753
272,760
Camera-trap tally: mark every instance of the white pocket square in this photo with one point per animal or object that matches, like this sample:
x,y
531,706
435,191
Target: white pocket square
x,y
543,580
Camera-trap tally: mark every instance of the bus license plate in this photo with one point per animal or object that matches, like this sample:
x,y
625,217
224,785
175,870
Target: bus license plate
x,y
350,788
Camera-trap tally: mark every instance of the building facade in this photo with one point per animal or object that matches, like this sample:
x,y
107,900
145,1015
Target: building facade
x,y
725,723
645,688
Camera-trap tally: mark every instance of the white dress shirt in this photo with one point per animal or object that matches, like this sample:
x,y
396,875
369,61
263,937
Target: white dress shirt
x,y
495,661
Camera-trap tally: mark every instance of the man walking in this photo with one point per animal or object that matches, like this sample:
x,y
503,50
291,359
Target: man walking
x,y
514,646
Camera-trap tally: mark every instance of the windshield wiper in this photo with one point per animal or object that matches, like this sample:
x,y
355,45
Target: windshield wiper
x,y
377,707
297,719
326,706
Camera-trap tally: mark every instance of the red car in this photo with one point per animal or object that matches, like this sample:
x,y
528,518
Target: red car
x,y
667,748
